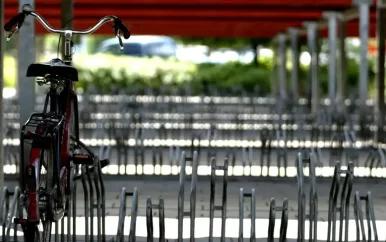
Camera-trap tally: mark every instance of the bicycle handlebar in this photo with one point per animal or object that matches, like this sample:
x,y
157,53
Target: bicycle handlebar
x,y
17,21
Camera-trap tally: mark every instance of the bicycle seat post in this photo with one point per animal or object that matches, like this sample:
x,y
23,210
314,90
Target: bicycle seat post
x,y
67,58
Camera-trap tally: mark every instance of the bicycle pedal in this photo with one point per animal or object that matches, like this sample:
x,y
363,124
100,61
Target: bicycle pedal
x,y
104,163
80,159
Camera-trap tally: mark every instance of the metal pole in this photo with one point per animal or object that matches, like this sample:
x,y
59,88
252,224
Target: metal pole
x,y
26,56
380,76
364,22
274,72
282,60
2,47
294,33
312,36
341,85
332,36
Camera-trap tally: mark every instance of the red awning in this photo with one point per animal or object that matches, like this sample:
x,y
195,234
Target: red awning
x,y
212,18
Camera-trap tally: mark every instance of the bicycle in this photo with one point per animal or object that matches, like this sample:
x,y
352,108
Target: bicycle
x,y
49,141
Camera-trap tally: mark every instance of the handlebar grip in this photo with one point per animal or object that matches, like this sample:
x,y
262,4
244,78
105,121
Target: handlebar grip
x,y
125,31
16,20
122,27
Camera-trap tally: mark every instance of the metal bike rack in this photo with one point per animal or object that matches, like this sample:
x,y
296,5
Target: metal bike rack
x,y
162,133
272,218
345,195
181,194
104,150
212,136
319,160
197,148
370,217
266,149
139,150
93,184
122,215
4,210
247,157
351,151
231,156
243,195
282,152
100,204
157,157
174,155
14,210
223,205
313,198
376,158
149,219
121,136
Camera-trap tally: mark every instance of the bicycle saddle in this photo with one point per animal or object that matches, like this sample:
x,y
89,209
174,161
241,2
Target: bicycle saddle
x,y
54,68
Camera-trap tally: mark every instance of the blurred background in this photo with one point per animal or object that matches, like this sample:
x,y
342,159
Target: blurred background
x,y
204,66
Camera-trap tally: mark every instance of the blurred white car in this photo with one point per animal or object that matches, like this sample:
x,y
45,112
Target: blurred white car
x,y
141,46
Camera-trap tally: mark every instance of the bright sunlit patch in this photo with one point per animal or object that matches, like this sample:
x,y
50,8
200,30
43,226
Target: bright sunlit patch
x,y
237,171
247,171
255,170
188,170
273,171
219,172
203,170
112,169
291,171
282,171
10,169
148,169
122,170
166,170
157,170
139,169
131,169
175,170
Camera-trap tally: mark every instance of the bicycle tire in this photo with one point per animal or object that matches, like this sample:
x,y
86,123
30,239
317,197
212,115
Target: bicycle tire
x,y
31,234
44,158
55,213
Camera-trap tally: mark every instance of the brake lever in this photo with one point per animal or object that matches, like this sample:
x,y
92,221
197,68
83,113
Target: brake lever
x,y
116,31
120,40
12,32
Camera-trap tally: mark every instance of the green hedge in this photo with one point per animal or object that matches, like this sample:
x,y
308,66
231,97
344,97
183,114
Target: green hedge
x,y
127,73
132,75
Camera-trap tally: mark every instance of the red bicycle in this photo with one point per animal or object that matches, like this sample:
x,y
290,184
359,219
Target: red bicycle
x,y
49,141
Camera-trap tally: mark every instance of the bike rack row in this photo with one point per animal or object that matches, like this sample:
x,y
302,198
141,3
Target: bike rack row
x,y
92,183
140,155
9,207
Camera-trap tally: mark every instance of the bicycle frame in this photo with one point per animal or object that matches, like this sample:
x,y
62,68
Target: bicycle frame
x,y
64,104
